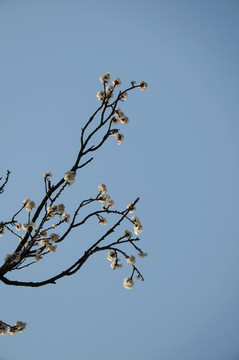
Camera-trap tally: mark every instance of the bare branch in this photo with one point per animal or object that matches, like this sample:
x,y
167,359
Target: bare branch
x,y
5,182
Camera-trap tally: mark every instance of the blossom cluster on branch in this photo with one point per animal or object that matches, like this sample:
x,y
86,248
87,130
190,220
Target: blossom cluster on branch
x,y
31,224
18,327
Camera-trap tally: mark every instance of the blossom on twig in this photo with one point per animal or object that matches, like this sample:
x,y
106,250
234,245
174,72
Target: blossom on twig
x,y
131,260
128,283
105,78
69,176
143,85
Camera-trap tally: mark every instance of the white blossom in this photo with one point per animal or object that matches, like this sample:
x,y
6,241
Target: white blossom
x,y
12,330
111,255
115,120
43,233
124,120
60,208
116,82
1,231
54,237
114,132
50,214
26,226
44,242
102,188
20,325
30,205
52,248
66,217
124,96
103,198
142,255
102,221
16,257
113,264
105,78
138,228
25,201
51,209
3,328
18,227
127,233
131,207
109,92
110,203
38,255
26,245
100,95
119,114
133,82
119,138
128,283
131,260
70,177
47,175
32,224
143,85
109,88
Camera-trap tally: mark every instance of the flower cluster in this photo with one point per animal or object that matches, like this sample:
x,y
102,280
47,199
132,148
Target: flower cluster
x,y
25,227
18,327
119,137
128,283
112,256
131,260
131,208
119,116
108,91
55,209
138,228
48,244
104,198
58,210
28,204
69,177
105,78
102,188
66,217
127,233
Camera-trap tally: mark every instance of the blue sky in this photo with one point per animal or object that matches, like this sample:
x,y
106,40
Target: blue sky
x,y
180,155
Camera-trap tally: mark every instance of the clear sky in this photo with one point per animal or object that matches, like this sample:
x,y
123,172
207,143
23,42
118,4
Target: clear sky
x,y
180,155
